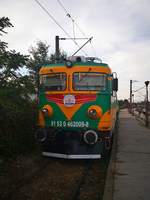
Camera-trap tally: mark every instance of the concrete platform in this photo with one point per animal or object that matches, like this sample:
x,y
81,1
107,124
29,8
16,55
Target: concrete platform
x,y
128,176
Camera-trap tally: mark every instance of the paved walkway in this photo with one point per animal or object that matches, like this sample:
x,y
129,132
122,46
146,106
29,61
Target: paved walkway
x,y
132,162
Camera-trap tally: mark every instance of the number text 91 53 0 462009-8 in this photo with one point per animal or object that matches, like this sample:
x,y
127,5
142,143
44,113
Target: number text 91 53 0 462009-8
x,y
75,124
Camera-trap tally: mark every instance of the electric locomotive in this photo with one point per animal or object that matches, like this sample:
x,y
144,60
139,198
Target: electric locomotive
x,y
77,108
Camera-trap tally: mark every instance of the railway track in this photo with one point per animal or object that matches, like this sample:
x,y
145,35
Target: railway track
x,y
58,179
91,183
77,189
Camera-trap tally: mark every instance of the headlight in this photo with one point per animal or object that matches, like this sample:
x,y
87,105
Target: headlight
x,y
47,111
94,112
90,137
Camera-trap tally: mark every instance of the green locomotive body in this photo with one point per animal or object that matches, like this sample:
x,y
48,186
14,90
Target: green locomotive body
x,y
77,109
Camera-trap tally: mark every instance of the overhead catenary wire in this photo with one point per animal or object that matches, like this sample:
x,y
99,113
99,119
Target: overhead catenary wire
x,y
139,89
69,15
50,15
74,23
140,93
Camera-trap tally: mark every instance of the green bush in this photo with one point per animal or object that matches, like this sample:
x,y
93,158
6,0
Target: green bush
x,y
17,125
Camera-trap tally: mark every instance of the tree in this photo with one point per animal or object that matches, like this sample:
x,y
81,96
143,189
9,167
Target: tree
x,y
39,55
17,117
4,23
11,63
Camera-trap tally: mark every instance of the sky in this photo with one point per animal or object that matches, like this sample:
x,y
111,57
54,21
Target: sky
x,y
120,31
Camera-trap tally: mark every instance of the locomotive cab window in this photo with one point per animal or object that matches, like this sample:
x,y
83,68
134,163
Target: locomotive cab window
x,y
89,81
53,82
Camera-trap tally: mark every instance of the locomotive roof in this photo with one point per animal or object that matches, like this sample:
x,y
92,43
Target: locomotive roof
x,y
102,67
77,64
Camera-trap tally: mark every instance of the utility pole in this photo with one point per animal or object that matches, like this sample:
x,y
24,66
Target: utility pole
x,y
131,91
146,105
130,107
132,104
57,48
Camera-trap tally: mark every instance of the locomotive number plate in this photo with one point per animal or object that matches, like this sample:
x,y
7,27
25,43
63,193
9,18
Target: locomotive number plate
x,y
74,124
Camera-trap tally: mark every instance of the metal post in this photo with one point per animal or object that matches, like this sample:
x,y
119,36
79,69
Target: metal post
x,y
130,109
132,104
57,48
146,105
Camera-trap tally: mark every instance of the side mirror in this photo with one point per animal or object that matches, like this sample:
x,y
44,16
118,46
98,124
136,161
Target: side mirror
x,y
115,84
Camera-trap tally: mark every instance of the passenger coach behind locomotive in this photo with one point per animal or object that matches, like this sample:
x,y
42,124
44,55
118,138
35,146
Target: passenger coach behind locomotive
x,y
77,108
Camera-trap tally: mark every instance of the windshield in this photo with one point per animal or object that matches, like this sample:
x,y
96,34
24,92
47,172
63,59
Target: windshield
x,y
53,82
89,81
